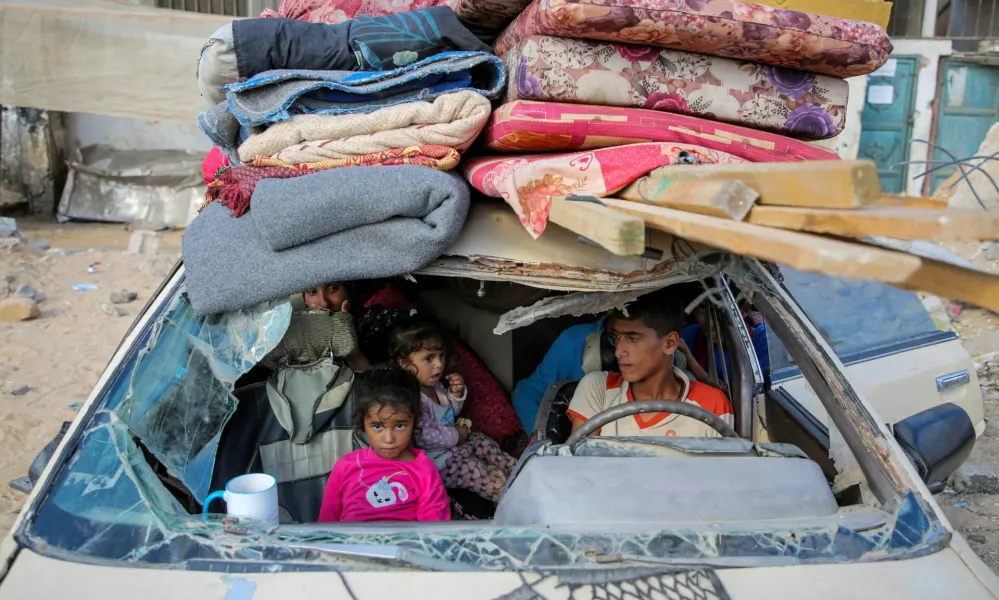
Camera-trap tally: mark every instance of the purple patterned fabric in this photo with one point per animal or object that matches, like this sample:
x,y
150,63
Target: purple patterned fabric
x,y
432,434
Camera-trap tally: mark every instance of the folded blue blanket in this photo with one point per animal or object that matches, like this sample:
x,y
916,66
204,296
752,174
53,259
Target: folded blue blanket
x,y
277,95
328,226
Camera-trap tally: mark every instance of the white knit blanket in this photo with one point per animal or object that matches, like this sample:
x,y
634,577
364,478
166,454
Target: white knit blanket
x,y
452,120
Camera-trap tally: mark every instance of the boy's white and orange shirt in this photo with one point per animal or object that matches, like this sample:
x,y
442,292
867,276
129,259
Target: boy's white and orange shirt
x,y
601,390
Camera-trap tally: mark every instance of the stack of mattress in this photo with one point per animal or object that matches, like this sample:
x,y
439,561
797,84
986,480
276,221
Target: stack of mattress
x,y
662,81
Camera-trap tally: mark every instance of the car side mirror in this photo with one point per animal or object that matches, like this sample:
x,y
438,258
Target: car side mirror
x,y
937,440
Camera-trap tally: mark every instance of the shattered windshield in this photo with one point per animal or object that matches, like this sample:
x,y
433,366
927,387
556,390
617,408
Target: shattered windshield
x,y
142,464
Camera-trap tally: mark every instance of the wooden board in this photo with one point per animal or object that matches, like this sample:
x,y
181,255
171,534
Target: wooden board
x,y
812,184
872,11
955,282
801,251
620,234
723,199
911,201
899,223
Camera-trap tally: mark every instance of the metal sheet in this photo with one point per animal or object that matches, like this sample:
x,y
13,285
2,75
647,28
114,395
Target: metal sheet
x,y
156,186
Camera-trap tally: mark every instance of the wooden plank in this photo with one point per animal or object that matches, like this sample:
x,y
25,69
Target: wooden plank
x,y
872,11
911,201
899,223
801,251
955,282
620,234
810,184
723,199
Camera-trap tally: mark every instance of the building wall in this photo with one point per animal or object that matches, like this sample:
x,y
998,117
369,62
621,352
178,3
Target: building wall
x,y
133,134
931,53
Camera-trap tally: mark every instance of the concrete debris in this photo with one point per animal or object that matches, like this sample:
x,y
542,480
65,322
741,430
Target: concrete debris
x,y
977,537
26,291
992,252
8,226
143,242
18,308
123,297
113,310
975,478
992,430
20,391
21,484
40,244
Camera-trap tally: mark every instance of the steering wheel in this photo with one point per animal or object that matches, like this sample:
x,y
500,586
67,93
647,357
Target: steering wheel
x,y
686,409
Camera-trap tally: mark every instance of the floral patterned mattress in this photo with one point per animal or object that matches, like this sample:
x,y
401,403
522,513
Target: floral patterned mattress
x,y
729,28
793,103
526,126
527,183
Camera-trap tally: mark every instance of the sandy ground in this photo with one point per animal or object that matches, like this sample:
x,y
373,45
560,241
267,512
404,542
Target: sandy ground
x,y
61,355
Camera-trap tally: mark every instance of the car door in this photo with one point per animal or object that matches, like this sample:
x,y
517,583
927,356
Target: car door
x,y
893,351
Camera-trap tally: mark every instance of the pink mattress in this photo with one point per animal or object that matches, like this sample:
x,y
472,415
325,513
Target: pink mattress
x,y
526,126
527,183
794,103
739,30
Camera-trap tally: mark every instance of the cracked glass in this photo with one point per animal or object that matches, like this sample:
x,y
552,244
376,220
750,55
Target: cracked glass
x,y
151,440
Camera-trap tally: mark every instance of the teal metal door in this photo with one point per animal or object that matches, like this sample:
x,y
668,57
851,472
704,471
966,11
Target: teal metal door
x,y
969,105
886,123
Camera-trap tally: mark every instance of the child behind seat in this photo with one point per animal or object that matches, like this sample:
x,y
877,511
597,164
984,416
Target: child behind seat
x,y
466,460
387,481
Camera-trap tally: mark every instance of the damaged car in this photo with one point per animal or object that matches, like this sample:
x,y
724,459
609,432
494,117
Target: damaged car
x,y
812,492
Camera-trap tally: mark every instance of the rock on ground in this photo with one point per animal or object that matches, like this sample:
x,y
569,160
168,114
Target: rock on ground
x,y
975,478
18,308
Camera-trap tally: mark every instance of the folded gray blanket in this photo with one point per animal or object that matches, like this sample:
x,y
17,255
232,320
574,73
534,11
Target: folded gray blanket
x,y
336,225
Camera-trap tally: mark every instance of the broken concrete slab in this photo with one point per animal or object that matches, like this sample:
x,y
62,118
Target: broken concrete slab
x,y
18,308
27,291
123,297
975,478
143,242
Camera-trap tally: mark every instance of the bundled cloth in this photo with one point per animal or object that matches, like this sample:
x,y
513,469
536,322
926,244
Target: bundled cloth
x,y
233,186
247,47
452,120
276,95
525,126
789,102
527,183
729,28
326,226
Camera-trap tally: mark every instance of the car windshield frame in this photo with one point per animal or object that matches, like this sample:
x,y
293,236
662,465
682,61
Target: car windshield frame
x,y
149,526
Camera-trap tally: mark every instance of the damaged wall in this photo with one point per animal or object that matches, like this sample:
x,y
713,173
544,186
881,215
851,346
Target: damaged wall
x,y
32,167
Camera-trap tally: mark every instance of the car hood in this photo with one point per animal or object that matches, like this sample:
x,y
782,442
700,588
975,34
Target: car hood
x,y
953,572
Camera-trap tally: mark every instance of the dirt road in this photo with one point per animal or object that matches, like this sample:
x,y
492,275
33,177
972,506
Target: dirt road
x,y
60,355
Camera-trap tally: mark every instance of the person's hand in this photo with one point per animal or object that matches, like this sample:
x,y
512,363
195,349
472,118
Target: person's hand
x,y
345,307
456,385
682,346
462,433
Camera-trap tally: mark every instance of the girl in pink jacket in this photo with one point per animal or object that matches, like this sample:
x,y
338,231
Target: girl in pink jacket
x,y
387,481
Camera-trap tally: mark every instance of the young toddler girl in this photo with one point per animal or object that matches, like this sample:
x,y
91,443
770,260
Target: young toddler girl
x,y
387,481
466,460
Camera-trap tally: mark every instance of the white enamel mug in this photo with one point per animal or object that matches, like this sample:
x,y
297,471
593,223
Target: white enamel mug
x,y
252,496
